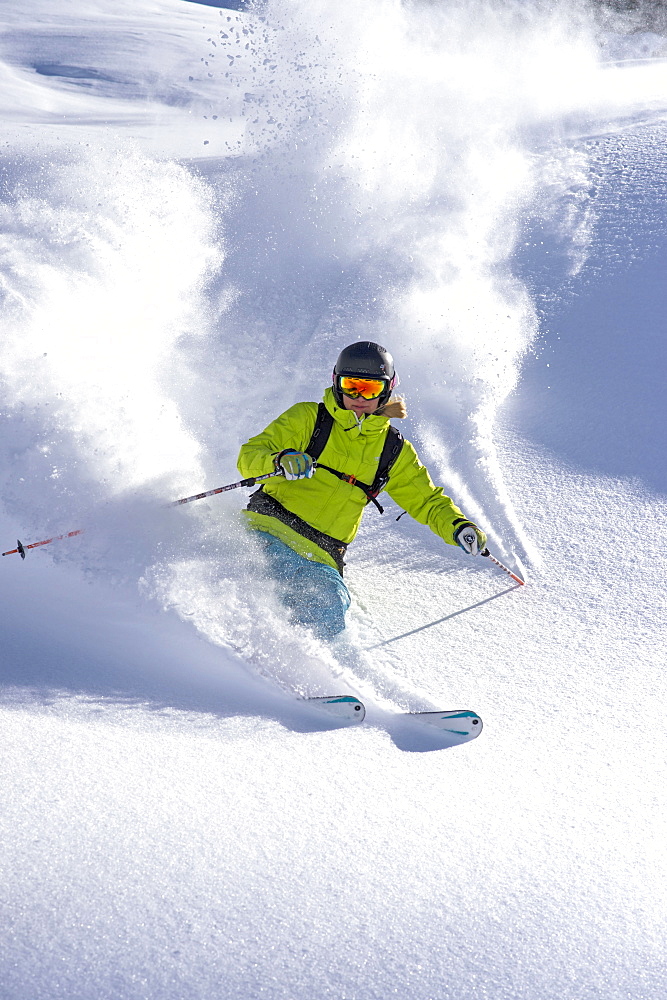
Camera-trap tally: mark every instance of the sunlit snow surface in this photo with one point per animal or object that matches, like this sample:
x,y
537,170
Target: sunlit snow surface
x,y
199,208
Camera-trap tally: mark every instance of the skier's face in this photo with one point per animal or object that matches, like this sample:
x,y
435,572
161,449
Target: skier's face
x,y
360,406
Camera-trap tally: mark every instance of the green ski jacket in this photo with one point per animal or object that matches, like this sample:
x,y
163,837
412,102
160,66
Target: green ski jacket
x,y
325,502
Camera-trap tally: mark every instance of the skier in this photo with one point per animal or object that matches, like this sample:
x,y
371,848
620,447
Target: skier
x,y
335,457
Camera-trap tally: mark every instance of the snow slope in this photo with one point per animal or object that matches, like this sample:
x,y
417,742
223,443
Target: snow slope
x,y
199,208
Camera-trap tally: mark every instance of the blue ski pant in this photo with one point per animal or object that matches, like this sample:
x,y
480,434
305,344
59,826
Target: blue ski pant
x,y
315,594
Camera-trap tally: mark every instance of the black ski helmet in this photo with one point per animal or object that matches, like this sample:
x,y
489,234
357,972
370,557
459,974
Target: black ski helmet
x,y
365,360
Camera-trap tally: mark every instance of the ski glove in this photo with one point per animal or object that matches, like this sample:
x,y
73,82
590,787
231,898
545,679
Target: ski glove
x,y
471,538
295,464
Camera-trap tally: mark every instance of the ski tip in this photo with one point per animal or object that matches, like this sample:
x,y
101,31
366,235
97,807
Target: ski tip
x,y
345,707
461,725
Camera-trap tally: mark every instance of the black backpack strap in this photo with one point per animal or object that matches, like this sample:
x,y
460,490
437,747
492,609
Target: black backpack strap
x,y
353,481
321,431
390,452
393,444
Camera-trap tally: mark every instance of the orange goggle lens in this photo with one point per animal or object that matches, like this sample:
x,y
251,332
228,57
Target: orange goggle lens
x,y
367,388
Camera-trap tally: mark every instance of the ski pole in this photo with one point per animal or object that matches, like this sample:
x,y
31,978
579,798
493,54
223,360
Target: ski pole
x,y
504,568
22,549
224,489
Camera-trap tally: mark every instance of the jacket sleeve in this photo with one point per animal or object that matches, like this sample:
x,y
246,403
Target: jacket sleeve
x,y
411,487
292,429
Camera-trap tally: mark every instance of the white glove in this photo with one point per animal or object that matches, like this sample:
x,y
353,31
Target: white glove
x,y
471,538
295,464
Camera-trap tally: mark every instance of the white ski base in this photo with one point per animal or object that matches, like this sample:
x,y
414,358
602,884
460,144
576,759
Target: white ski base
x,y
345,707
462,725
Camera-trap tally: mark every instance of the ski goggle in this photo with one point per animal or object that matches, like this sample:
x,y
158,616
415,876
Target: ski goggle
x,y
367,388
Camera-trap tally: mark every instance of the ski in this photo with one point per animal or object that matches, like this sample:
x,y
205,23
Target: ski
x,y
456,727
460,726
344,707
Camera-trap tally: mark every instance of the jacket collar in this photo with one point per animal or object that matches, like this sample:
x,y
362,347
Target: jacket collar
x,y
346,419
